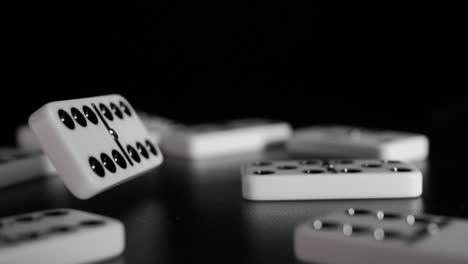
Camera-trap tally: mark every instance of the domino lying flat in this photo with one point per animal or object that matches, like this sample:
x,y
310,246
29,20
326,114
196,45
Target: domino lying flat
x,y
329,179
235,137
365,236
26,140
59,236
353,142
94,143
17,166
158,126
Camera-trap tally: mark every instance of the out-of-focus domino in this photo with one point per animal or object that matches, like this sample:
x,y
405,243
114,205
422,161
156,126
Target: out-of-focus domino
x,y
366,236
60,236
158,126
355,142
330,179
17,166
94,143
235,137
27,140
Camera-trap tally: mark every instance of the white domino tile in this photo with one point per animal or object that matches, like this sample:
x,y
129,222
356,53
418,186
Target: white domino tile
x,y
60,236
232,138
378,236
355,142
329,179
94,143
17,166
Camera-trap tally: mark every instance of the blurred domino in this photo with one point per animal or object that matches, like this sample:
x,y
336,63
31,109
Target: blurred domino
x,y
236,137
365,236
94,143
158,126
59,236
17,166
353,142
26,140
329,179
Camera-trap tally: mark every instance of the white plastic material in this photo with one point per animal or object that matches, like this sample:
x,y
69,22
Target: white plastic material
x,y
374,238
16,166
157,127
355,142
236,137
71,150
27,140
338,179
59,236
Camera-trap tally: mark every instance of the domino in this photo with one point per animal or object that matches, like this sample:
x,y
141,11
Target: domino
x,y
158,126
329,179
232,138
377,236
355,142
94,143
26,140
60,236
17,166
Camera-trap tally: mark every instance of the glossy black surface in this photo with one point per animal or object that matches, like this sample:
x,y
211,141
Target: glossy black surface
x,y
191,212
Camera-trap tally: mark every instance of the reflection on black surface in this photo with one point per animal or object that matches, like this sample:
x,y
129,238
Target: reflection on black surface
x,y
118,260
189,211
445,189
203,203
270,225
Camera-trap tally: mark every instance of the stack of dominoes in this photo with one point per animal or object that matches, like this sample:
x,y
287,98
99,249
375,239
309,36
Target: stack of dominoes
x,y
94,144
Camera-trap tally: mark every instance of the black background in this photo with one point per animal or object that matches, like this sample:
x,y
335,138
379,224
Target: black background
x,y
195,62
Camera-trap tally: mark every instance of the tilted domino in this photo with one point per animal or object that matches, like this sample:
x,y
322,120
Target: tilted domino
x,y
94,143
157,127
